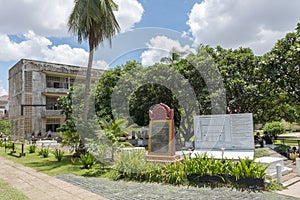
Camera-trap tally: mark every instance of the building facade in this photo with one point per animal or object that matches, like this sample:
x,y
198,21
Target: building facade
x,y
34,87
4,107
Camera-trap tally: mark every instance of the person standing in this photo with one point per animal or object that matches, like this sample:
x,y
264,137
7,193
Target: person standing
x,y
49,134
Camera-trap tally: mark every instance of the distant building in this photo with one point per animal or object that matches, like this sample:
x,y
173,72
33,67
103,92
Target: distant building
x,y
4,107
34,87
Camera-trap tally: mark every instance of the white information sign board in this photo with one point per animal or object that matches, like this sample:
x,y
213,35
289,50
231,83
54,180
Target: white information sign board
x,y
225,136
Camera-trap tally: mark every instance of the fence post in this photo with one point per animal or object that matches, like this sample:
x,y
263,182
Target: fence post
x,y
298,166
279,173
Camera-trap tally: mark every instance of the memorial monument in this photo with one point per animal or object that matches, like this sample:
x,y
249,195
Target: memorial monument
x,y
224,136
161,144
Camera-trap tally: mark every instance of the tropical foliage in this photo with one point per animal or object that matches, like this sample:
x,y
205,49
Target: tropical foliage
x,y
267,86
93,21
44,153
32,148
5,127
274,128
111,137
58,154
87,160
133,166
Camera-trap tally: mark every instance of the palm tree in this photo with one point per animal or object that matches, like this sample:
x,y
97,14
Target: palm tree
x,y
116,132
94,21
174,56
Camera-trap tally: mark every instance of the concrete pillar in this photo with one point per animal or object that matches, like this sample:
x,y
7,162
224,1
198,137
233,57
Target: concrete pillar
x,y
298,166
279,173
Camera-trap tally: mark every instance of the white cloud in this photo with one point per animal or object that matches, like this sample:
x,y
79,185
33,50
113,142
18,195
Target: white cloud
x,y
129,12
257,24
2,89
49,17
38,47
161,46
100,64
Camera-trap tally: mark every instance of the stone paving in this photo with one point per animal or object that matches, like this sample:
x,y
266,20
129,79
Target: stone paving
x,y
121,190
36,185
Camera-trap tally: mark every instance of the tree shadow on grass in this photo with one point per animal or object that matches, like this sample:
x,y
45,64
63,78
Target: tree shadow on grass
x,y
47,165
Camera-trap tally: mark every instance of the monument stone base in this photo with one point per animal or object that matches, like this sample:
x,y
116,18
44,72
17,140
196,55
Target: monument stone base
x,y
271,162
163,158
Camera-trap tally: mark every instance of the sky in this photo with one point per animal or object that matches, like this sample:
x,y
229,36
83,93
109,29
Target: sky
x,y
36,29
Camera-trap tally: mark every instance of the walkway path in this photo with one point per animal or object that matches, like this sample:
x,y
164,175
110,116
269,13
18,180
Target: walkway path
x,y
36,185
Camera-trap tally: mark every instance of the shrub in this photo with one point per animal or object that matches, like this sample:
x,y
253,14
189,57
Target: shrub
x,y
58,154
274,128
203,169
87,160
174,174
282,149
245,168
113,174
32,149
8,145
74,160
133,166
204,165
44,153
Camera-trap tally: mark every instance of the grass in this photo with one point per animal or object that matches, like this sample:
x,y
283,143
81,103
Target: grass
x,y
7,192
261,152
287,142
50,165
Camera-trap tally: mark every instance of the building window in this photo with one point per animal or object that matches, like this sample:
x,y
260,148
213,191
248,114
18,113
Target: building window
x,y
51,103
56,85
52,127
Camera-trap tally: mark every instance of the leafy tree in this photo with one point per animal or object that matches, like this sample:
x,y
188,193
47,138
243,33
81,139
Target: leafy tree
x,y
267,86
145,87
238,69
93,21
74,131
282,64
5,127
280,75
104,91
274,128
249,87
145,97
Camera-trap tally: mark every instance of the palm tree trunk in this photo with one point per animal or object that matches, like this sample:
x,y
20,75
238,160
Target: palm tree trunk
x,y
88,85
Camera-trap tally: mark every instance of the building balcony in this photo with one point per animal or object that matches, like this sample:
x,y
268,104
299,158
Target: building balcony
x,y
59,91
51,113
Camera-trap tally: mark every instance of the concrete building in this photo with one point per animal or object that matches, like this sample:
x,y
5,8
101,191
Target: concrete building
x,y
4,107
34,87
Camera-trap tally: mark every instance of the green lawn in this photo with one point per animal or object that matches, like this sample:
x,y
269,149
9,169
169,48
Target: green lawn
x,y
286,142
50,165
9,193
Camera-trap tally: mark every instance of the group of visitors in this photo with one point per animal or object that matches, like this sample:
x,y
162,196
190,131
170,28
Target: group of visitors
x,y
265,139
39,135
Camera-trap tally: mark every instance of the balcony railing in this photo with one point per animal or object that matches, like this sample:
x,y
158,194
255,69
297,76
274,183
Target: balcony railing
x,y
56,90
51,113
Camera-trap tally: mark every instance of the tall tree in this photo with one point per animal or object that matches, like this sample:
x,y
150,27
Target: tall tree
x,y
282,65
94,21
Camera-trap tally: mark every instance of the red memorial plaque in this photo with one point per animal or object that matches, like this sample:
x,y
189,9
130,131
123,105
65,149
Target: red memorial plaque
x,y
161,146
